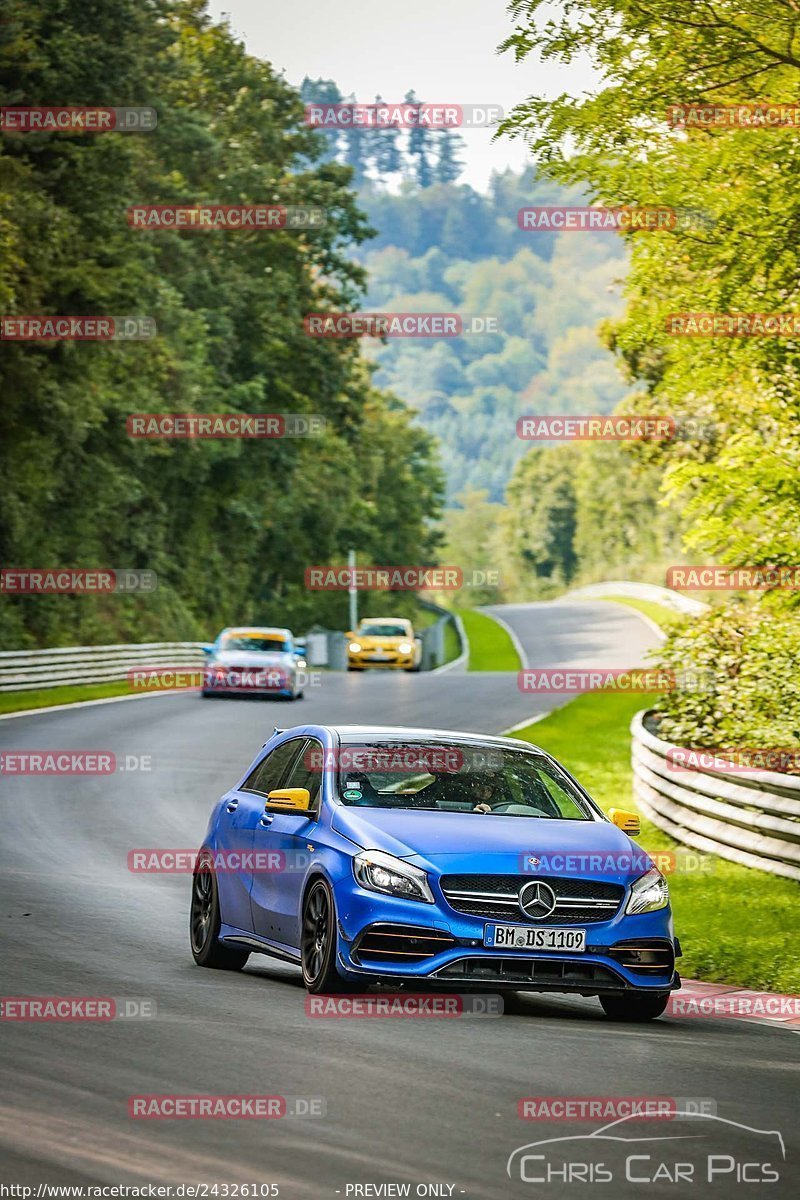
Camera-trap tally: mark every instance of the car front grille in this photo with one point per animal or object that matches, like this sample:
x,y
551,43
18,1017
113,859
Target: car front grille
x,y
236,676
555,973
496,897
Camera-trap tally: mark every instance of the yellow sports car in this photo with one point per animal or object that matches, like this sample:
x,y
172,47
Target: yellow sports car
x,y
384,642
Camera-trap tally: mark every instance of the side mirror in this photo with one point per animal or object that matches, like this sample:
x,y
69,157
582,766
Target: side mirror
x,y
627,821
350,635
288,800
207,648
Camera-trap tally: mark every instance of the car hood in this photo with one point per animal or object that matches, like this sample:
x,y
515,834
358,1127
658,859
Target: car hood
x,y
253,658
375,643
463,843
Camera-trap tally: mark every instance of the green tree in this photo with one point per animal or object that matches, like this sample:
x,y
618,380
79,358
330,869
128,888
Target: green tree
x,y
742,257
229,526
448,166
419,148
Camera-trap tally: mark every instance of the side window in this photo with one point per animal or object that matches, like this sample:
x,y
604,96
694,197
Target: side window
x,y
269,773
307,772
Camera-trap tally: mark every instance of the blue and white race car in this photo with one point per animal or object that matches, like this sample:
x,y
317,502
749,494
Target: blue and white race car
x,y
259,660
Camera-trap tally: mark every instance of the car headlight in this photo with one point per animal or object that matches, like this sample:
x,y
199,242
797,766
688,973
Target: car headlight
x,y
404,647
355,647
380,872
648,893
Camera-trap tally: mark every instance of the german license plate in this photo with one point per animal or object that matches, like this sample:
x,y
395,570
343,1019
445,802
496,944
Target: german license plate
x,y
523,937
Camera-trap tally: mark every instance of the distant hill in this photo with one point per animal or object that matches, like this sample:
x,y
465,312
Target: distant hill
x,y
447,247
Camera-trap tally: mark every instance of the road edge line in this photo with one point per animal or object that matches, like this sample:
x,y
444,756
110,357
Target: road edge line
x,y
33,712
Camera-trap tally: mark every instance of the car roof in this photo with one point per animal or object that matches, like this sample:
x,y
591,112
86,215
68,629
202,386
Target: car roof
x,y
387,620
358,733
276,629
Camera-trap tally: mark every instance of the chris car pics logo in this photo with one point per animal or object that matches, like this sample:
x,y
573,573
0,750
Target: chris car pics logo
x,y
696,1147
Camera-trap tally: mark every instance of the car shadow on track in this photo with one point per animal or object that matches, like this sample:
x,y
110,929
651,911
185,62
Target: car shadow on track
x,y
535,1006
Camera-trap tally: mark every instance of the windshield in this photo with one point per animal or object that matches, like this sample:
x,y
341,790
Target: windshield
x,y
382,629
265,642
457,777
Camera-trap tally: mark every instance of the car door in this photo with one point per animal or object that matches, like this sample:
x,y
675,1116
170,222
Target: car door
x,y
275,896
241,813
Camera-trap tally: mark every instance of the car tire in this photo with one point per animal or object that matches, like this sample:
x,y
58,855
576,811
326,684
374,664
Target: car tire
x,y
204,926
318,943
631,1007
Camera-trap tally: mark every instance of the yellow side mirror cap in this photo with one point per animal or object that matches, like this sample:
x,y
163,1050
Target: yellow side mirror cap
x,y
288,800
627,821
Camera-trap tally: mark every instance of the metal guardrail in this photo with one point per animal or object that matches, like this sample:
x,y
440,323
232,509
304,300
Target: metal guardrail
x,y
752,819
433,643
23,670
643,591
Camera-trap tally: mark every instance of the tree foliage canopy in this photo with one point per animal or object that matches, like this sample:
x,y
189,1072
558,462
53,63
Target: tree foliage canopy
x,y
229,526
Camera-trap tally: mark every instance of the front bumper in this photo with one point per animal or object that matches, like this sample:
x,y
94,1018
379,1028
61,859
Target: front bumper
x,y
393,660
248,682
386,938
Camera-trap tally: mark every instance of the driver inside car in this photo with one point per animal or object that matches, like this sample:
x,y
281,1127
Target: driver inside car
x,y
488,790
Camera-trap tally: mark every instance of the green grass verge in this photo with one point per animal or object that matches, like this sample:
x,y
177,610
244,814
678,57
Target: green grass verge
x,y
452,646
663,616
490,647
43,697
736,925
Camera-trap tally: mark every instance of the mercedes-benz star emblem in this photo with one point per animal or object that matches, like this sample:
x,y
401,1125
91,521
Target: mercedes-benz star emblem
x,y
537,900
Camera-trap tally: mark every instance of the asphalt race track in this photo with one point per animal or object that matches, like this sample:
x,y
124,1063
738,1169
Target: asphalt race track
x,y
422,1101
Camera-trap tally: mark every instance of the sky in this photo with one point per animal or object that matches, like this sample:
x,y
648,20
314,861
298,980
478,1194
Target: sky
x,y
446,50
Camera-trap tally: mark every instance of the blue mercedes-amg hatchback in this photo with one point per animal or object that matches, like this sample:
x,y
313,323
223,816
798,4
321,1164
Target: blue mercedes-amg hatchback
x,y
413,856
